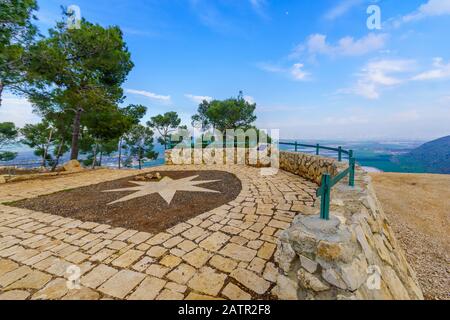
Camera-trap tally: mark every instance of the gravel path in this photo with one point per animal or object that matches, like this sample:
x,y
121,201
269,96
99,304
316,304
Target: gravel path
x,y
418,207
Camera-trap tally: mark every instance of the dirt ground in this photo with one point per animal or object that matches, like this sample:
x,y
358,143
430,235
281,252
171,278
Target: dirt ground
x,y
149,213
418,206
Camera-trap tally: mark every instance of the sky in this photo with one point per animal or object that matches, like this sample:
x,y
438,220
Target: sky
x,y
315,69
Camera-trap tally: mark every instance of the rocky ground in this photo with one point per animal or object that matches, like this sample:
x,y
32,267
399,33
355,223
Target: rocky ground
x,y
418,206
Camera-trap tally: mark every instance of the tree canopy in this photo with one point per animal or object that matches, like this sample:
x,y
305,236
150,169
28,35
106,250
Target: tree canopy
x,y
16,34
233,113
139,143
79,72
8,135
165,124
39,137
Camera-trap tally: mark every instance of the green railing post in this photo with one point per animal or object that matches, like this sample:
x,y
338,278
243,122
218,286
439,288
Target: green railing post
x,y
317,149
340,154
325,198
352,163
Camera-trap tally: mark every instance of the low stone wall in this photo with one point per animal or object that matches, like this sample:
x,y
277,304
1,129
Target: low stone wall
x,y
21,174
208,156
309,166
354,255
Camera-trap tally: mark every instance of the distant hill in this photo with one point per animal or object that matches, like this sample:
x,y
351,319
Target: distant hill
x,y
433,156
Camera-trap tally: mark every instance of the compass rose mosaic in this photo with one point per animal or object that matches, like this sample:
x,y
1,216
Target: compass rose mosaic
x,y
142,204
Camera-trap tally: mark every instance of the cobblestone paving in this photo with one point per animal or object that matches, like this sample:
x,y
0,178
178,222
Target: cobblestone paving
x,y
226,253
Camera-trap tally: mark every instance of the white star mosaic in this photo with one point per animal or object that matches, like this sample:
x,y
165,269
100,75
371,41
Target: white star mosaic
x,y
166,188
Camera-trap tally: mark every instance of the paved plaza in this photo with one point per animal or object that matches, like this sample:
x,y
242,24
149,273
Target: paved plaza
x,y
224,253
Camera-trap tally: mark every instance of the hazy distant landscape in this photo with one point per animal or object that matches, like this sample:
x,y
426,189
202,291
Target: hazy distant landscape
x,y
385,156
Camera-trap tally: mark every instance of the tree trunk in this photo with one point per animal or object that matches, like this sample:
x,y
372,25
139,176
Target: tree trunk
x,y
76,135
58,156
166,138
101,158
140,159
50,136
1,91
120,153
95,156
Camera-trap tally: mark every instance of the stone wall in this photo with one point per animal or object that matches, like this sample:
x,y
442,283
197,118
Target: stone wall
x,y
354,255
308,166
208,156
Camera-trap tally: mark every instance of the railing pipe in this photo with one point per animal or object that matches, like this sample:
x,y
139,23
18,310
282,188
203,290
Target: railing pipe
x,y
325,198
351,179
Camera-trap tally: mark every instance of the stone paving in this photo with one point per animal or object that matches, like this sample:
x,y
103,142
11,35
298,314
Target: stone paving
x,y
226,253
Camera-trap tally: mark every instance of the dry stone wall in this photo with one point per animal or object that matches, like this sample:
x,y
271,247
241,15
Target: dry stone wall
x,y
308,166
212,156
354,255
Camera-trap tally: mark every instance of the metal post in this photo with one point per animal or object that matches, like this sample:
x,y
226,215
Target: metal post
x,y
296,146
317,149
352,163
340,154
325,199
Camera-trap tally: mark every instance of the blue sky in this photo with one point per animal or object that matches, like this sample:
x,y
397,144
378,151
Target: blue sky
x,y
314,68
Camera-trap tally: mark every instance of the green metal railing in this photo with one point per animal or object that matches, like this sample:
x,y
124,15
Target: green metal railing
x,y
328,182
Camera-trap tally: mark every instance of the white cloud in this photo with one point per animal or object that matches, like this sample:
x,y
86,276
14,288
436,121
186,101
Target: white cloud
x,y
298,73
198,99
259,6
295,72
342,8
348,120
17,110
389,120
211,16
430,9
249,99
440,71
148,94
379,74
270,67
347,46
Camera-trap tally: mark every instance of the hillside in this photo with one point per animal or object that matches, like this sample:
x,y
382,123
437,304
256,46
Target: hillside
x,y
433,156
418,208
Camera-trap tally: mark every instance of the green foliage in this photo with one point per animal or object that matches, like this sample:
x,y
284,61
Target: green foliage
x,y
96,150
39,137
233,113
165,125
82,69
16,34
8,135
139,143
134,112
7,155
